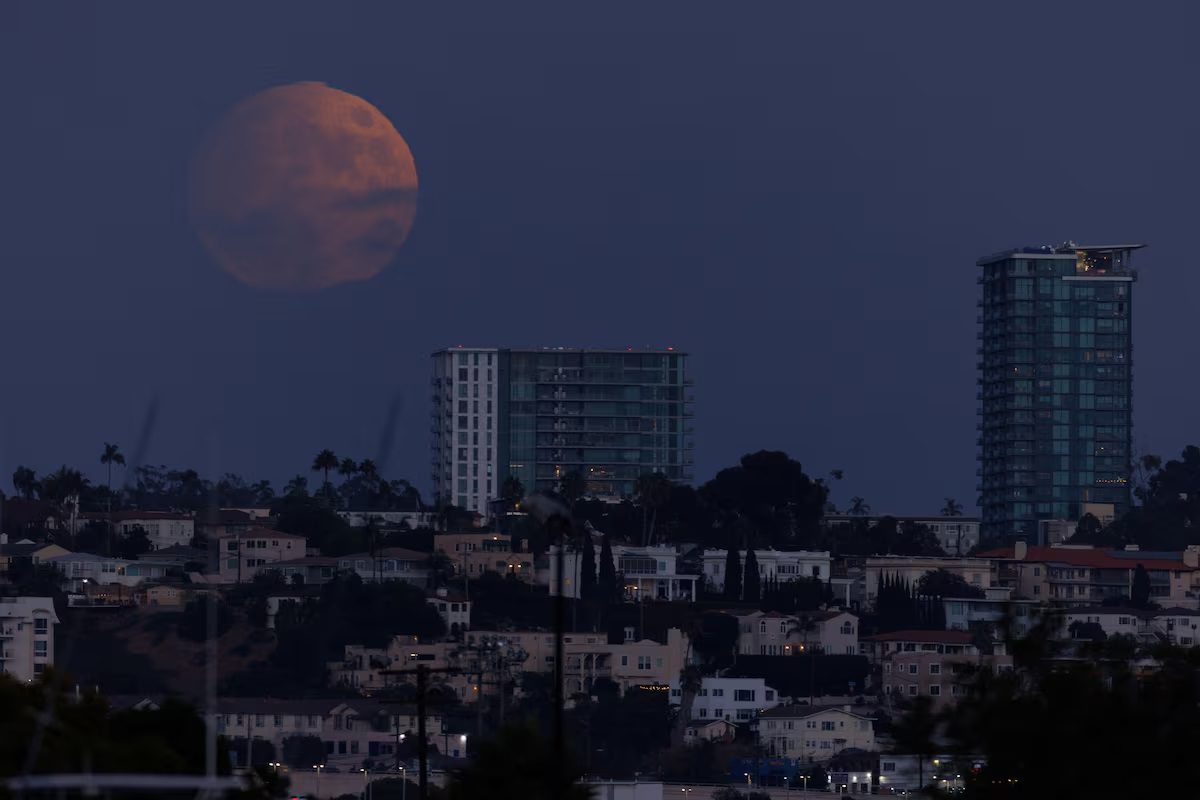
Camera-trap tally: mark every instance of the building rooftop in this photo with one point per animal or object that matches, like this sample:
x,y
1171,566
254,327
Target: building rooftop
x,y
799,711
259,533
1093,557
611,350
926,637
1066,249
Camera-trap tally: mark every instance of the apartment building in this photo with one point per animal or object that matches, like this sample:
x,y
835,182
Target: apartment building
x,y
737,700
975,571
351,730
26,636
242,554
453,608
934,664
784,565
163,528
590,657
86,572
1078,574
815,734
1177,626
475,552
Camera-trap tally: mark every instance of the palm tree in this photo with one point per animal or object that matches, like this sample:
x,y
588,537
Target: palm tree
x,y
953,508
325,461
62,488
111,455
859,507
653,491
25,482
296,487
368,470
347,468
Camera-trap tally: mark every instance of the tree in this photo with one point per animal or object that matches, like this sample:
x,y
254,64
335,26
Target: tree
x,y
607,583
1139,594
941,583
914,733
653,491
859,507
134,543
751,586
302,751
733,574
296,487
348,467
587,569
953,508
1087,530
512,492
770,495
25,482
517,764
324,462
571,486
111,455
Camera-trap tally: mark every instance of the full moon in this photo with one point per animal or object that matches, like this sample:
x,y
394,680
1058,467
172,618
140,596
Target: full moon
x,y
303,187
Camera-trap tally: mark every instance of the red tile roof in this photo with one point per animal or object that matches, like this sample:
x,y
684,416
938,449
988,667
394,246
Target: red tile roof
x,y
929,637
1091,557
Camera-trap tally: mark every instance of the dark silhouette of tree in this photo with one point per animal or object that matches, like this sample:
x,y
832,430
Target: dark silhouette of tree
x,y
952,508
769,495
858,507
25,482
111,455
1139,593
752,584
571,486
607,587
324,462
653,492
587,569
941,583
1088,530
914,733
512,492
733,574
517,764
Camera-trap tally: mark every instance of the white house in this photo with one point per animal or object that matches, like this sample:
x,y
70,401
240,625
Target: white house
x,y
242,554
1178,626
784,565
453,608
730,699
388,564
650,573
164,529
815,733
26,636
81,568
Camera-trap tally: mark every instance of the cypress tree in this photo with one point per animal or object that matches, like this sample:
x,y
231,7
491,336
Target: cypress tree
x,y
587,569
607,584
733,574
752,586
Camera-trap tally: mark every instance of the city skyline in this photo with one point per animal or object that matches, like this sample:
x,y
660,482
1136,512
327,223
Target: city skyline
x,y
812,256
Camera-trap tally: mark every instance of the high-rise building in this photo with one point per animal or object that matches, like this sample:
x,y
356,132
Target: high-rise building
x,y
1055,384
539,414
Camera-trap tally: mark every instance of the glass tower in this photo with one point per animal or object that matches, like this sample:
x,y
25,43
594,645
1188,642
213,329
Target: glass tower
x,y
1055,384
610,415
537,414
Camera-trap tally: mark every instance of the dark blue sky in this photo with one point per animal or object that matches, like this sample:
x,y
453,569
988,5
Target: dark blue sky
x,y
794,194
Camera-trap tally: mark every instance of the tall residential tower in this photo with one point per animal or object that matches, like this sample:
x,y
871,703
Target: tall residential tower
x,y
537,414
1055,384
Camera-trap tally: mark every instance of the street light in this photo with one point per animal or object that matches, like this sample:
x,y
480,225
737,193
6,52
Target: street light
x,y
318,768
366,783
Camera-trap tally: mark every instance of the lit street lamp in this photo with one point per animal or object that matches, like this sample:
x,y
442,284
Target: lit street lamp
x,y
318,768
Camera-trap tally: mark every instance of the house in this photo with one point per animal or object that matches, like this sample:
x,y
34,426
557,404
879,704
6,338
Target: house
x,y
293,593
351,730
26,636
934,664
163,528
955,534
784,565
1177,626
388,564
307,571
241,554
28,552
475,552
976,572
709,730
642,663
167,596
453,608
650,573
815,734
730,699
179,557
965,613
212,524
771,633
389,519
82,569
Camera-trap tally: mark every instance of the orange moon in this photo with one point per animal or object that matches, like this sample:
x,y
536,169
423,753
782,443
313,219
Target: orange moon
x,y
303,187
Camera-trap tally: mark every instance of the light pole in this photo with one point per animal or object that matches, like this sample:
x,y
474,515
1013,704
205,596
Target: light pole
x,y
403,783
787,788
366,784
318,768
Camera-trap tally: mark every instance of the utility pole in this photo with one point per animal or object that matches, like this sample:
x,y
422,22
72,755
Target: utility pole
x,y
422,672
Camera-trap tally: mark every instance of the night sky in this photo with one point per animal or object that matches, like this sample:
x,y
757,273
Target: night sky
x,y
795,195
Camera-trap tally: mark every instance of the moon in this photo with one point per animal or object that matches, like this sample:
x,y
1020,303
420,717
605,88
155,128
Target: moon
x,y
303,187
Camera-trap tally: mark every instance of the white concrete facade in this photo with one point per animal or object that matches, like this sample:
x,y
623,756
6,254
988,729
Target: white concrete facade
x,y
784,565
466,470
730,699
26,636
242,555
649,573
814,734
